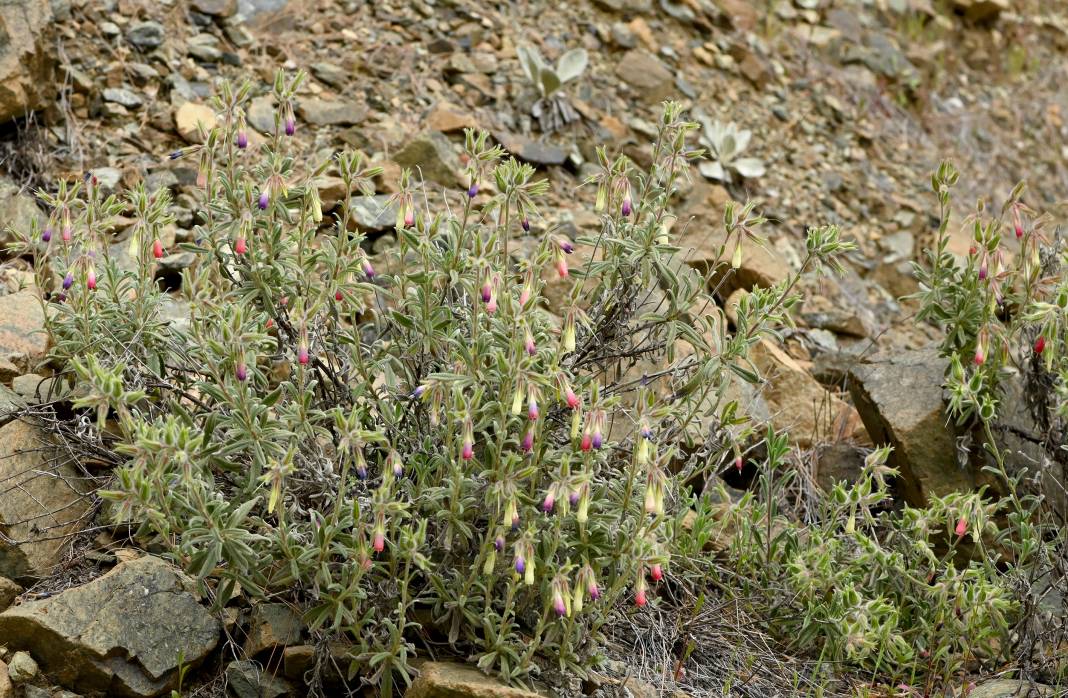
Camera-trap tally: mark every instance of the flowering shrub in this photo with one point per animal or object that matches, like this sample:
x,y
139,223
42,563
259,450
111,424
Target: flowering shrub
x,y
418,441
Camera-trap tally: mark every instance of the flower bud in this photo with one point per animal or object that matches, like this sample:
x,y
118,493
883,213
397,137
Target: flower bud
x,y
532,407
157,249
625,209
573,497
1040,344
90,279
472,191
290,122
656,572
338,296
368,270
558,605
468,451
67,233
528,440
498,543
982,270
531,348
240,246
565,245
573,400
587,441
526,224
46,235
962,527
549,503
302,354
241,371
409,218
379,542
264,200
639,598
738,463
242,139
736,257
520,564
68,281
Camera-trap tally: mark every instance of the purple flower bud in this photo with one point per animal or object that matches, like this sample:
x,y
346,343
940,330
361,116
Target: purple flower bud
x,y
368,269
526,225
532,410
242,140
398,469
515,522
498,543
625,209
175,155
566,246
594,591
573,498
361,471
61,297
291,125
46,235
647,433
520,564
559,606
487,292
68,281
418,392
528,441
472,191
264,200
549,503
241,371
597,439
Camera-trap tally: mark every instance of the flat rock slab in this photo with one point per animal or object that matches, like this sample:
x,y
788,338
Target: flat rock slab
x,y
42,500
121,633
454,680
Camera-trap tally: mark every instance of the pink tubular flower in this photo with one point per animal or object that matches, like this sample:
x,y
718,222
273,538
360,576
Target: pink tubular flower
x,y
90,280
656,572
558,605
302,355
625,209
549,502
468,451
368,269
240,246
639,598
573,400
409,218
379,542
586,443
532,349
157,249
532,408
528,441
561,267
738,464
962,527
241,371
67,232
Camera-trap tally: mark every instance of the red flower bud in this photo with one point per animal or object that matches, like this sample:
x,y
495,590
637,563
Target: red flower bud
x,y
302,355
656,572
1040,344
157,249
639,598
240,247
573,400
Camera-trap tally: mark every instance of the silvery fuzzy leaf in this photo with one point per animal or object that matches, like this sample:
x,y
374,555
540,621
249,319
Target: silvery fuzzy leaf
x,y
530,59
712,169
742,139
728,146
749,167
571,64
550,81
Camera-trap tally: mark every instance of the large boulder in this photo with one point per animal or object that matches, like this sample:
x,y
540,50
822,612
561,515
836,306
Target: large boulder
x,y
25,62
42,500
899,398
121,634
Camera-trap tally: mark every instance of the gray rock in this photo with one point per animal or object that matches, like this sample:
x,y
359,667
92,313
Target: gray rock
x,y
8,591
108,178
374,213
248,680
431,156
22,668
25,57
121,633
43,500
250,8
899,398
272,625
331,112
216,8
531,150
1011,688
146,36
260,114
18,211
329,73
109,29
123,96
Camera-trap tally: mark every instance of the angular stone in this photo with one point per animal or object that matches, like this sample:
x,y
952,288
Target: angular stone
x,y
216,8
373,214
532,150
447,117
190,117
7,689
22,668
25,57
332,112
247,679
8,591
761,266
838,462
899,398
272,625
146,35
453,680
799,405
1011,688
18,211
23,340
431,156
261,113
123,96
121,633
42,500
649,77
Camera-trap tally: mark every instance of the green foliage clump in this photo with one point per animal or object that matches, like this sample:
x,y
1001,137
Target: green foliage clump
x,y
414,446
